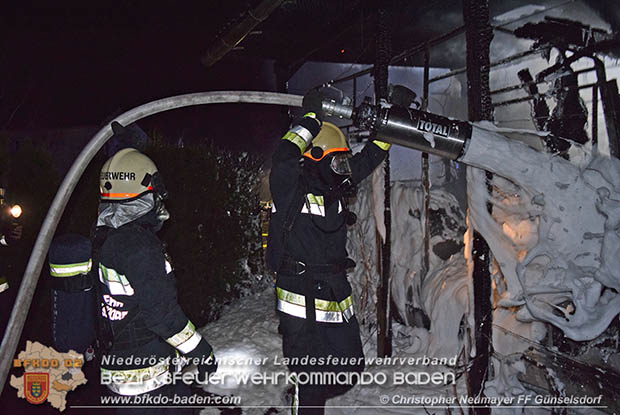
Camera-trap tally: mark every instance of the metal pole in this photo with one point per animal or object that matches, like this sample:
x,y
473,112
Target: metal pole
x,y
594,115
383,42
478,39
515,87
529,97
492,65
426,175
416,49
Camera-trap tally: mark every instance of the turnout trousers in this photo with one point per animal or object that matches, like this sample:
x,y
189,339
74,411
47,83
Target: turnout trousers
x,y
326,358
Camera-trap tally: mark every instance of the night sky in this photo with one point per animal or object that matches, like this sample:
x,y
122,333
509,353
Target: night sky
x,y
83,65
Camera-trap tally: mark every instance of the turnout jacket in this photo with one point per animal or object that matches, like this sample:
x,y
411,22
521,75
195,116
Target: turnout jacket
x,y
319,232
139,299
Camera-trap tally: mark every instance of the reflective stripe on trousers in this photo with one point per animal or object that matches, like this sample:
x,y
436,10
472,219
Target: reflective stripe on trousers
x,y
136,381
325,311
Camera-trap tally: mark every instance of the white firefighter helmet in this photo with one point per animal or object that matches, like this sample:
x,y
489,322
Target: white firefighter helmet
x,y
127,175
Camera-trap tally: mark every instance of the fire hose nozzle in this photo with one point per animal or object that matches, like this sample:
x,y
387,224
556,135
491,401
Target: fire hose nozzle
x,y
333,109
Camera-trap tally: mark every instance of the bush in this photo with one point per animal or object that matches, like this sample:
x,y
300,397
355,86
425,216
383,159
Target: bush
x,y
213,234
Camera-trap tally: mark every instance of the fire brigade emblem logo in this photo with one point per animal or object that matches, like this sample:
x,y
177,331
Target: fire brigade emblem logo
x,y
36,387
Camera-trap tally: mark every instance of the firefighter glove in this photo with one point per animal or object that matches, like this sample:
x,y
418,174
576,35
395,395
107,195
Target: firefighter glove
x,y
313,102
207,363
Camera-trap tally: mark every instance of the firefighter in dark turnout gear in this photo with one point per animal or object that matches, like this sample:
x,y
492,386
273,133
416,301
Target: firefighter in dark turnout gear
x,y
307,249
141,317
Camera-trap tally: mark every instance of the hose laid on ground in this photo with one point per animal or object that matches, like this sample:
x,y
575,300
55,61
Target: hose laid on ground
x,y
41,246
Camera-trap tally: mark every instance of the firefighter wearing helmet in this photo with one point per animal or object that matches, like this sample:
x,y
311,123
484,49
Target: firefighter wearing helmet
x,y
140,315
307,248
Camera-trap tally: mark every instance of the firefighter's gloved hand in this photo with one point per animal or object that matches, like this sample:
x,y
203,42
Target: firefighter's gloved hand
x,y
210,366
313,102
401,95
382,145
205,359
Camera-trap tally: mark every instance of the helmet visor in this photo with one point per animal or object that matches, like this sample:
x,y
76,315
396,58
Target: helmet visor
x,y
340,164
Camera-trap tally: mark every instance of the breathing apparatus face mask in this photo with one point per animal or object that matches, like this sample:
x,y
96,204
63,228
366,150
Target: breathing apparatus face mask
x,y
161,212
161,195
116,214
340,164
151,205
334,170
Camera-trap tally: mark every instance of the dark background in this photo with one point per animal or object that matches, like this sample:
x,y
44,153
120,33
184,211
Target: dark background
x,y
69,63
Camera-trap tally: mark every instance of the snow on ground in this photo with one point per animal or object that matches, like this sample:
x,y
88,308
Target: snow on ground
x,y
248,330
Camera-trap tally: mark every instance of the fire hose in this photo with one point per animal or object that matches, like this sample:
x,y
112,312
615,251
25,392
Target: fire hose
x,y
402,126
